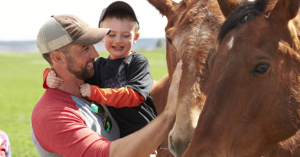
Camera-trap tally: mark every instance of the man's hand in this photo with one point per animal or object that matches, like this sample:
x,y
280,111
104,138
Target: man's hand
x,y
52,80
85,90
174,89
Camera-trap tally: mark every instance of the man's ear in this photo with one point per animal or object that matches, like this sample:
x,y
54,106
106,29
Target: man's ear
x,y
57,57
136,38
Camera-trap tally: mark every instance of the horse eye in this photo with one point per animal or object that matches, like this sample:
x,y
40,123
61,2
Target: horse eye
x,y
169,41
261,69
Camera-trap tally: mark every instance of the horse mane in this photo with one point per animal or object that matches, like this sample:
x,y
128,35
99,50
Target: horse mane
x,y
240,15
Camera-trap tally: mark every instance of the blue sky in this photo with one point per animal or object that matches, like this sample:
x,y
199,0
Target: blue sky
x,y
21,19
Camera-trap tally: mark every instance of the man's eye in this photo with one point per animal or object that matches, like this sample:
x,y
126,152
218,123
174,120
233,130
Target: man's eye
x,y
126,36
111,35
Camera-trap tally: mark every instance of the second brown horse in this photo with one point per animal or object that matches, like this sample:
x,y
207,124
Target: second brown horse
x,y
253,105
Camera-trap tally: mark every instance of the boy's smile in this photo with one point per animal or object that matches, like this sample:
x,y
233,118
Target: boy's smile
x,y
119,41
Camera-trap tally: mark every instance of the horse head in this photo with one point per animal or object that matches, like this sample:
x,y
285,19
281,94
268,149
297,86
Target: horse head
x,y
253,102
191,35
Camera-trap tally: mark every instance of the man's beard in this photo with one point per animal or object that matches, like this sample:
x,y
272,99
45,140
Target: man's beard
x,y
81,74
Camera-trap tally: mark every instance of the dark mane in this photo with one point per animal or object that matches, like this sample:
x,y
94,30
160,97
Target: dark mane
x,y
240,15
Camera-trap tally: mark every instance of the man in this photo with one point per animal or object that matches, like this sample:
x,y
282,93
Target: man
x,y
63,122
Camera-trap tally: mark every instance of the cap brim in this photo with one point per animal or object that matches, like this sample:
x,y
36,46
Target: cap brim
x,y
92,36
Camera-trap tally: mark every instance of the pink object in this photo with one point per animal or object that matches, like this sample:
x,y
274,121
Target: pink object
x,y
4,145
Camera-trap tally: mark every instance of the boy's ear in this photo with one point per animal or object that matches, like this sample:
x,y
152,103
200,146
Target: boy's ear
x,y
57,57
136,38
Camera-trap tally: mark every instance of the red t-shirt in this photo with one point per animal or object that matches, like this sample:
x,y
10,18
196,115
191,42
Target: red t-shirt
x,y
59,126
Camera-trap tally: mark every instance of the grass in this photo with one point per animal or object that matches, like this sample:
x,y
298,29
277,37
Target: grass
x,y
21,88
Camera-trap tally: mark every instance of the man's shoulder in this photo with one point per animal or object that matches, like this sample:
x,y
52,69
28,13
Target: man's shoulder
x,y
51,101
55,95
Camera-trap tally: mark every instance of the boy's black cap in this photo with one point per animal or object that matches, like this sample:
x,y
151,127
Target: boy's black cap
x,y
117,5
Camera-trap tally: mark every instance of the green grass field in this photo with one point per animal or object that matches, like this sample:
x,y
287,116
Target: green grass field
x,y
21,88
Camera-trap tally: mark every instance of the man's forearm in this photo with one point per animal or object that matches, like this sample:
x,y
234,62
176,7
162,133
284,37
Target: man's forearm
x,y
145,141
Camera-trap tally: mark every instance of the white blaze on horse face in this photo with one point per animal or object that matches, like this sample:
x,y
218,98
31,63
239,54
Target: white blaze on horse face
x,y
177,42
230,43
195,116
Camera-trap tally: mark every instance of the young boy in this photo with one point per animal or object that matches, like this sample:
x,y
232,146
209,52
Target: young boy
x,y
122,81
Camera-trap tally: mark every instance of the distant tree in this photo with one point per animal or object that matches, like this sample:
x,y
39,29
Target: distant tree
x,y
159,43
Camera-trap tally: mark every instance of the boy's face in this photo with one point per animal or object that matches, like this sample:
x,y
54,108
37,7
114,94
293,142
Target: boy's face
x,y
119,41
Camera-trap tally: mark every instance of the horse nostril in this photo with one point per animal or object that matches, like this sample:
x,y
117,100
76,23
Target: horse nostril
x,y
171,146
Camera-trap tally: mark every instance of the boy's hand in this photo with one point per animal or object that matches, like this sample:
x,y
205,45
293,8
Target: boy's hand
x,y
85,90
52,80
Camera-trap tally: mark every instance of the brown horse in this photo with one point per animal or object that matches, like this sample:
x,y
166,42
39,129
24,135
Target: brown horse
x,y
253,104
191,35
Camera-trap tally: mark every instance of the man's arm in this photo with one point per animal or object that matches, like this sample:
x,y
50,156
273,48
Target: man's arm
x,y
145,141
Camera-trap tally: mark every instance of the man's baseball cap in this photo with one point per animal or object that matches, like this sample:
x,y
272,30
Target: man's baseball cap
x,y
61,30
118,5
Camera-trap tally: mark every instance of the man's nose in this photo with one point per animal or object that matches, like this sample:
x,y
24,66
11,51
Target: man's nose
x,y
94,53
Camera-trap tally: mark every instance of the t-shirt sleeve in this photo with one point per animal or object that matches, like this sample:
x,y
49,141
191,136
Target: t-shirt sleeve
x,y
64,132
139,77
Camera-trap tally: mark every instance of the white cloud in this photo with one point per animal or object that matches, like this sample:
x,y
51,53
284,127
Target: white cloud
x,y
21,19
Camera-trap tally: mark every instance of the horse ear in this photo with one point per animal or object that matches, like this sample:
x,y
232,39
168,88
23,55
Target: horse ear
x,y
270,6
165,7
285,10
227,6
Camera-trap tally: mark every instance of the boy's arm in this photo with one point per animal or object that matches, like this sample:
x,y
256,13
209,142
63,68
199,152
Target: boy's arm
x,y
45,74
122,97
136,90
51,81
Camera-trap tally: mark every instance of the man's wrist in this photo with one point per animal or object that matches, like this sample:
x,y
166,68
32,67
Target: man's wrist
x,y
169,114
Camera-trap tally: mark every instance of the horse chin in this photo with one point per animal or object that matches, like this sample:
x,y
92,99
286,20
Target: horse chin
x,y
177,148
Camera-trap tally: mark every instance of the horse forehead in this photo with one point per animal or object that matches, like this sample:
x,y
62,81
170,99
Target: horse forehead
x,y
256,29
188,18
253,35
190,29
